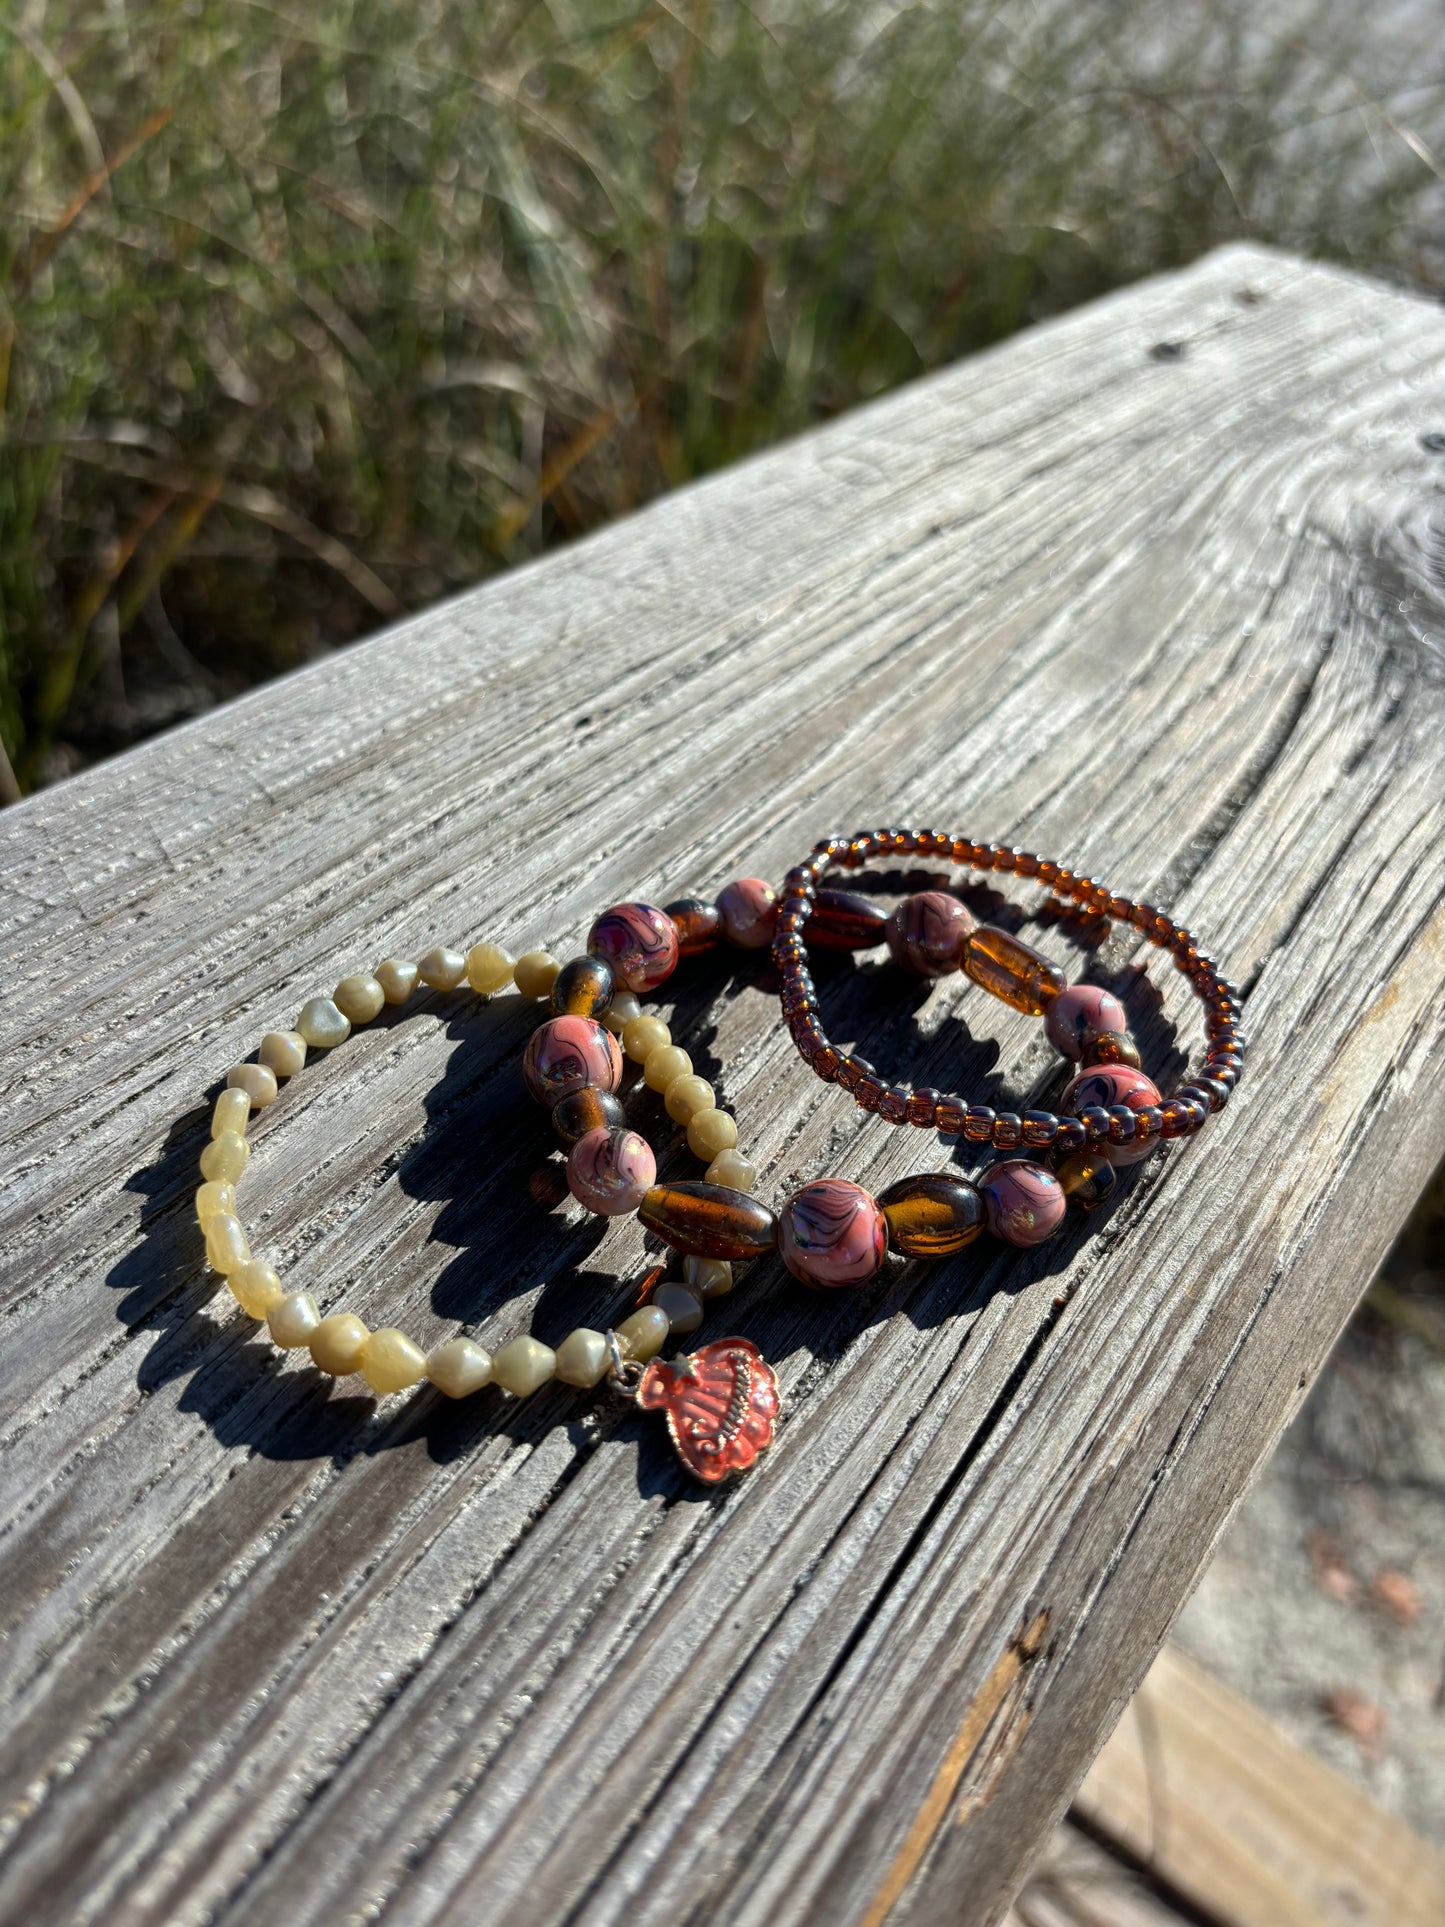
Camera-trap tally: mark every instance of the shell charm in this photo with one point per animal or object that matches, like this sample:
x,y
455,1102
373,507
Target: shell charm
x,y
721,1404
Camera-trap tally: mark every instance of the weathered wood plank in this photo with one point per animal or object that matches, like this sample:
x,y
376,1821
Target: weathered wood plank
x,y
1251,1829
274,1657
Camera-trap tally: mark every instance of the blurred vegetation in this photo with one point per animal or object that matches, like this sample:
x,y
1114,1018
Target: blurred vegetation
x,y
309,315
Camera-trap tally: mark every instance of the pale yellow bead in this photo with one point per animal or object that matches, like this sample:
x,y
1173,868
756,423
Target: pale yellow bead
x,y
337,1343
489,968
681,1307
359,999
391,1361
225,1158
664,1066
397,979
459,1367
212,1197
583,1357
523,1367
644,1334
535,972
711,1132
283,1051
227,1247
713,1277
292,1318
732,1169
256,1287
257,1081
232,1112
322,1025
621,1011
443,969
643,1036
686,1096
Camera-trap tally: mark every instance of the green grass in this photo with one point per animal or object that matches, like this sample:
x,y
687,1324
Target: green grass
x,y
310,315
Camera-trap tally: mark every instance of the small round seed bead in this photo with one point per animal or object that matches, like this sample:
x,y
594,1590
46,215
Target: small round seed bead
x,y
713,1277
583,1358
256,1287
322,1024
731,1168
338,1342
232,1112
291,1319
283,1051
535,972
625,1006
684,1097
711,1132
489,968
441,969
227,1247
644,1334
643,1036
524,1366
661,1066
459,1366
359,998
256,1081
390,1361
225,1158
212,1197
397,979
681,1307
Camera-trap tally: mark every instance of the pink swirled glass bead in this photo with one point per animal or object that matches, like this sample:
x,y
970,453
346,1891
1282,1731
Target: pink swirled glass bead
x,y
639,941
566,1053
1024,1202
832,1233
926,932
1107,1085
611,1172
749,909
1079,1015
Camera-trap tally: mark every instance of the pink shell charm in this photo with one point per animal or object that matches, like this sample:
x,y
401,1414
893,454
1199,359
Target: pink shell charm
x,y
721,1405
639,941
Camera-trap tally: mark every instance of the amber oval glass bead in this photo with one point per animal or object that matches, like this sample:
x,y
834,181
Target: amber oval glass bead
x,y
709,1220
931,1215
583,988
1011,969
842,920
698,925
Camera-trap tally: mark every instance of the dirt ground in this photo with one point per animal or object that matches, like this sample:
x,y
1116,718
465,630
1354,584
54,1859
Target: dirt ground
x,y
1326,1603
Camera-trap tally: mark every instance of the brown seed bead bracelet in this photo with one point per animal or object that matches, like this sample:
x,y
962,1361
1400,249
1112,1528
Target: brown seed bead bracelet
x,y
1110,1107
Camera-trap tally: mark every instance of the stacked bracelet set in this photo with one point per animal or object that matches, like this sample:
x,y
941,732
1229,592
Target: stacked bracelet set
x,y
721,1401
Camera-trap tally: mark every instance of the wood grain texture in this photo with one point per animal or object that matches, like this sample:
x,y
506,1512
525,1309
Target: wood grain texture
x,y
1250,1829
274,1656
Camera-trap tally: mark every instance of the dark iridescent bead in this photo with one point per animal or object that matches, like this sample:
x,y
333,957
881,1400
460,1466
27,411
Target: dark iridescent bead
x,y
1224,1074
1114,1047
1008,1131
932,1215
1149,1122
1095,1120
1121,1124
1088,1178
1215,1092
1192,1094
1040,1128
590,1109
978,1121
1072,1135
1176,1116
583,988
843,921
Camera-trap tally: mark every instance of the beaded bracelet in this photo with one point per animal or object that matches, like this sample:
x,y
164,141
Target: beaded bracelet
x,y
1110,1104
721,1401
